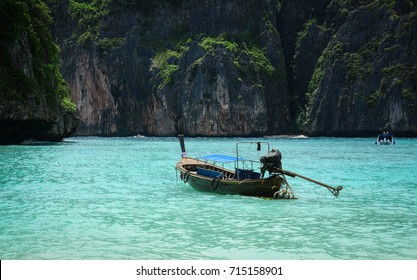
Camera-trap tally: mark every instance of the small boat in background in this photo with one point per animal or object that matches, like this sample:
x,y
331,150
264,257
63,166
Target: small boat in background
x,y
262,178
385,138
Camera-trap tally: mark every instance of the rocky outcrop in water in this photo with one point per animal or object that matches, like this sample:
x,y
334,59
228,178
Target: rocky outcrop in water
x,y
228,68
34,101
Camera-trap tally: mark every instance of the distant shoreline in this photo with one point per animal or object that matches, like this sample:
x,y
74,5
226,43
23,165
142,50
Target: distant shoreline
x,y
273,136
298,136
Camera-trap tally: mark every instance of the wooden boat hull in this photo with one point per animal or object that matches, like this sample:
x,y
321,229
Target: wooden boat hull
x,y
266,187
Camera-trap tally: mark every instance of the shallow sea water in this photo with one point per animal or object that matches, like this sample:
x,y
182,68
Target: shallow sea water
x,y
121,198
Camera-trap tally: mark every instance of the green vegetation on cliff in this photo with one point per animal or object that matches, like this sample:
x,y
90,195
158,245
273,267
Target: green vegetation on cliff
x,y
166,62
238,48
30,60
88,14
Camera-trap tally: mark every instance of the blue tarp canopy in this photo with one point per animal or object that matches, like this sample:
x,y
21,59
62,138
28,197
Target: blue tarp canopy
x,y
221,158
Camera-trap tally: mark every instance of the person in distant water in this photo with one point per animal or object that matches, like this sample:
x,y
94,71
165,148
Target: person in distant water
x,y
388,138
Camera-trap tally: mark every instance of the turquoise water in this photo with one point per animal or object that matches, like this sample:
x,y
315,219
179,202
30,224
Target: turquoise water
x,y
120,198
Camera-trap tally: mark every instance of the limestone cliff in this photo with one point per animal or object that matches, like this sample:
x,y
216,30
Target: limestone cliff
x,y
34,101
227,68
203,67
365,77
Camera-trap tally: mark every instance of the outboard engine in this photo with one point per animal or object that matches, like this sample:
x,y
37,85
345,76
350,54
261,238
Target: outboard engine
x,y
271,162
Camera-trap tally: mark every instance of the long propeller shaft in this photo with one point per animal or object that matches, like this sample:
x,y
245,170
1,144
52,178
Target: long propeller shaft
x,y
335,190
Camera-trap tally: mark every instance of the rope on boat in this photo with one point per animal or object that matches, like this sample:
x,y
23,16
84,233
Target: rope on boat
x,y
186,176
282,193
213,186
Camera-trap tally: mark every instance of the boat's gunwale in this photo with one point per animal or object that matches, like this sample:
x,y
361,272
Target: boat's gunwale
x,y
180,166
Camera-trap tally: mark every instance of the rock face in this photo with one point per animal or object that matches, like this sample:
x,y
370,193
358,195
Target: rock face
x,y
365,78
34,101
91,91
228,81
240,68
202,67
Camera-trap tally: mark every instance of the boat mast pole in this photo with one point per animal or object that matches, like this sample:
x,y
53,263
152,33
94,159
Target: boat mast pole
x,y
181,138
237,161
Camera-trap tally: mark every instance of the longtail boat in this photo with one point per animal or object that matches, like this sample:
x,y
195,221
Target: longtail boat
x,y
261,178
385,138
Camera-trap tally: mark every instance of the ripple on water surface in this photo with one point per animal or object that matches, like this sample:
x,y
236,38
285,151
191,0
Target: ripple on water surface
x,y
120,198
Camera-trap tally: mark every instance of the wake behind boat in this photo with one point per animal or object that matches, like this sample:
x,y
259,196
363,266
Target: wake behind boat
x,y
240,176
